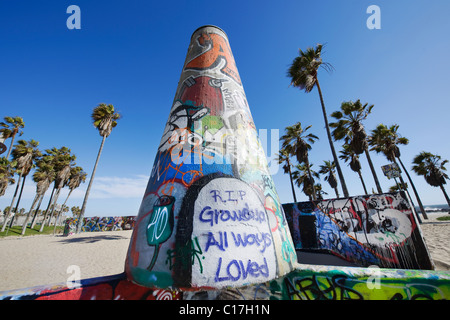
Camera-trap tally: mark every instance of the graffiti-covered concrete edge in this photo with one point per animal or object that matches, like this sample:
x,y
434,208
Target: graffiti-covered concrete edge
x,y
379,229
303,283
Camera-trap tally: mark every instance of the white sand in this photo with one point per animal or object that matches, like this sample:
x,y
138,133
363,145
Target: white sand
x,y
437,239
44,260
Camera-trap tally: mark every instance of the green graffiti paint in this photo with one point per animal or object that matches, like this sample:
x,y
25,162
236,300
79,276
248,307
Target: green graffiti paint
x,y
152,278
358,284
160,225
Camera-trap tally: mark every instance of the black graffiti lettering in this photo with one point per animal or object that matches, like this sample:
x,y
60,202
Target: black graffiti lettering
x,y
419,296
320,288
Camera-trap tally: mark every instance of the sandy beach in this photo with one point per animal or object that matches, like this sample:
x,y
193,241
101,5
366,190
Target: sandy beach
x,y
437,236
43,260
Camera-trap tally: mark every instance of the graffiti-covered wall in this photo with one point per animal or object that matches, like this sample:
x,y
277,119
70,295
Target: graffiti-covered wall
x,y
115,287
331,283
210,215
92,224
366,230
303,283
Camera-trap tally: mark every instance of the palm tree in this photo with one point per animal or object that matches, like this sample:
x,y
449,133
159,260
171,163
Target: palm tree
x,y
25,153
432,168
104,118
45,171
7,172
348,155
398,187
75,211
303,74
43,176
61,210
302,177
319,191
350,128
284,158
22,151
77,176
328,168
11,127
61,179
296,140
62,160
386,140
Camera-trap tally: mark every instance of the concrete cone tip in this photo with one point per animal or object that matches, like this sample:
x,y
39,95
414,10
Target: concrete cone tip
x,y
210,216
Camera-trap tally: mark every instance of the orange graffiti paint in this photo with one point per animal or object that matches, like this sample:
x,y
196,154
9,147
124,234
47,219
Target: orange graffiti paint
x,y
218,51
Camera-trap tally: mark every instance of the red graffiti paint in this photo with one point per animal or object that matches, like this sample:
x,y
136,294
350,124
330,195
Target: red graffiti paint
x,y
204,91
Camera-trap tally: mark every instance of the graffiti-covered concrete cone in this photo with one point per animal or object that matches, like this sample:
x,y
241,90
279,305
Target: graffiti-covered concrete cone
x,y
210,216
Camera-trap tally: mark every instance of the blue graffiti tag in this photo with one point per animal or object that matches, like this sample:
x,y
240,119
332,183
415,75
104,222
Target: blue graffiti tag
x,y
220,240
236,270
214,216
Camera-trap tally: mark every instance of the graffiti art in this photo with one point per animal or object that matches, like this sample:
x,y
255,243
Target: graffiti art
x,y
93,224
366,230
300,284
229,227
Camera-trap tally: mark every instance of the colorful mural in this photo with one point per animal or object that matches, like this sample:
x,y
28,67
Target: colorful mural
x,y
93,224
210,216
115,287
366,230
331,283
304,283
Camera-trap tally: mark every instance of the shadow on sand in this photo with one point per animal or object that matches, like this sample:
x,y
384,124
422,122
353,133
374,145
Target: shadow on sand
x,y
90,239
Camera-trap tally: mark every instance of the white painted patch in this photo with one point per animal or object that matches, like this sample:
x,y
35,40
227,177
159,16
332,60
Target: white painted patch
x,y
231,225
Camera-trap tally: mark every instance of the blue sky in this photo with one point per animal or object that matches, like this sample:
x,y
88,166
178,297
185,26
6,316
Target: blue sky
x,y
130,54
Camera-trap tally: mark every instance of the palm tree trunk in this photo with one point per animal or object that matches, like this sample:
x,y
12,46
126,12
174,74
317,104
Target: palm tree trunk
x,y
314,196
292,182
24,226
337,192
362,181
33,222
59,213
399,187
333,151
12,203
53,207
405,189
46,210
83,208
17,205
18,200
414,189
374,174
445,195
11,145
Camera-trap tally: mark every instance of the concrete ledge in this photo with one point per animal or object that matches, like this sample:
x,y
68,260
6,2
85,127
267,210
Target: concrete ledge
x,y
306,282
